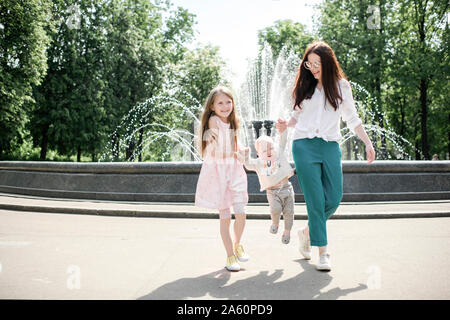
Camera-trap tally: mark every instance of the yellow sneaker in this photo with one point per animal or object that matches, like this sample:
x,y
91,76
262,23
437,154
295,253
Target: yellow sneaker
x,y
232,264
240,253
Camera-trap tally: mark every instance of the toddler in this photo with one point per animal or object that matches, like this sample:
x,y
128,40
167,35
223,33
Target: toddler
x,y
273,170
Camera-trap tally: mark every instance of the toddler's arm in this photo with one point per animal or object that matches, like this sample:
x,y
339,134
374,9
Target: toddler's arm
x,y
283,140
281,127
245,158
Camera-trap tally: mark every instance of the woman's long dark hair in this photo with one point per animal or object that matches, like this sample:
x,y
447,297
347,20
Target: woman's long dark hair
x,y
305,82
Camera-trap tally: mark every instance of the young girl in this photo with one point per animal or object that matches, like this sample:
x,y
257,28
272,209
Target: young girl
x,y
322,96
222,182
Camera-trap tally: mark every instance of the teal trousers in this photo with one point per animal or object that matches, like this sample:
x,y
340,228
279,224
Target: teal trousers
x,y
319,172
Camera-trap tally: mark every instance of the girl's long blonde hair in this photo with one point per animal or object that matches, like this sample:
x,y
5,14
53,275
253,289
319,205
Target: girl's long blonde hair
x,y
208,112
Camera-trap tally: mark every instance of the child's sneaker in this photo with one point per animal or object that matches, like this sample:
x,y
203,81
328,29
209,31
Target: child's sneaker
x,y
324,262
304,246
240,253
286,238
232,264
273,229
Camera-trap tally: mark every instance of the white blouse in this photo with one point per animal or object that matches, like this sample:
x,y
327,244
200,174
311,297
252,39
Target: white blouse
x,y
315,120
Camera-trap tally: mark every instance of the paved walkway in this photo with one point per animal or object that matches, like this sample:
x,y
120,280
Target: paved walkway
x,y
347,210
55,255
67,256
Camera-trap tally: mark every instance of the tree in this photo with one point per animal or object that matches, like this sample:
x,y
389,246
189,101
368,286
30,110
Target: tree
x,y
69,114
427,19
285,33
142,46
391,49
356,30
106,57
201,70
23,42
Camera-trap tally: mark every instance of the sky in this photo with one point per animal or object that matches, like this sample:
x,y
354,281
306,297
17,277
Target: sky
x,y
233,25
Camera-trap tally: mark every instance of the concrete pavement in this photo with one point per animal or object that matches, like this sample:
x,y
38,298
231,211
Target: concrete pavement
x,y
86,256
347,210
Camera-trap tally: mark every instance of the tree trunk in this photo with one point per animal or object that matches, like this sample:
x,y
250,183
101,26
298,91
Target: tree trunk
x,y
44,143
130,149
416,141
423,118
448,141
193,141
79,154
115,147
141,137
348,146
378,80
421,13
402,117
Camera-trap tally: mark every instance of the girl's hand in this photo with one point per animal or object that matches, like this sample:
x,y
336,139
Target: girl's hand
x,y
370,152
242,154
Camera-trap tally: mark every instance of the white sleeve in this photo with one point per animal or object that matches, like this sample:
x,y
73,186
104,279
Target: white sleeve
x,y
349,113
296,113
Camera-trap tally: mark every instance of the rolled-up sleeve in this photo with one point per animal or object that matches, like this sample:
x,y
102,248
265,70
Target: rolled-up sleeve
x,y
348,109
296,113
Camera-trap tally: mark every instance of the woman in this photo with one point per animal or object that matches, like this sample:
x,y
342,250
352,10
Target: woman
x,y
322,96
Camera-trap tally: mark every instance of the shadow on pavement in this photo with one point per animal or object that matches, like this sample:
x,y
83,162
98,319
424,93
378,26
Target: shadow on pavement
x,y
263,286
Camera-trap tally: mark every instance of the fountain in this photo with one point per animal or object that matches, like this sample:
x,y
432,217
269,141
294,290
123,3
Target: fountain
x,y
139,121
264,97
261,100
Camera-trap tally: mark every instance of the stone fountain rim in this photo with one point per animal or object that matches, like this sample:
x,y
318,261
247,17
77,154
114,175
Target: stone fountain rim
x,y
349,166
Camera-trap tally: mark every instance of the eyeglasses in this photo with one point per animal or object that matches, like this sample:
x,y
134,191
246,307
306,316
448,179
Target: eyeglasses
x,y
309,65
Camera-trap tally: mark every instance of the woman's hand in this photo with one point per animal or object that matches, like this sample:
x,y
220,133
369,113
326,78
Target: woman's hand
x,y
281,125
370,152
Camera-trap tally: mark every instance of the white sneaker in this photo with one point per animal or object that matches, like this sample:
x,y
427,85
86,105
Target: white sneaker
x,y
324,262
232,264
240,253
304,246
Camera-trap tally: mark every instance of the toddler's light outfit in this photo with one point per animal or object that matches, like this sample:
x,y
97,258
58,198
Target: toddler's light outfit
x,y
272,176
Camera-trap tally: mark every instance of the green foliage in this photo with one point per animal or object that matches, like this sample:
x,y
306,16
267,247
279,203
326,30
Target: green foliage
x,y
157,127
23,42
81,78
105,58
398,52
285,33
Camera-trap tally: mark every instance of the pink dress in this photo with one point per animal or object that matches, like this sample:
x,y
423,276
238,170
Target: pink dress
x,y
222,181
